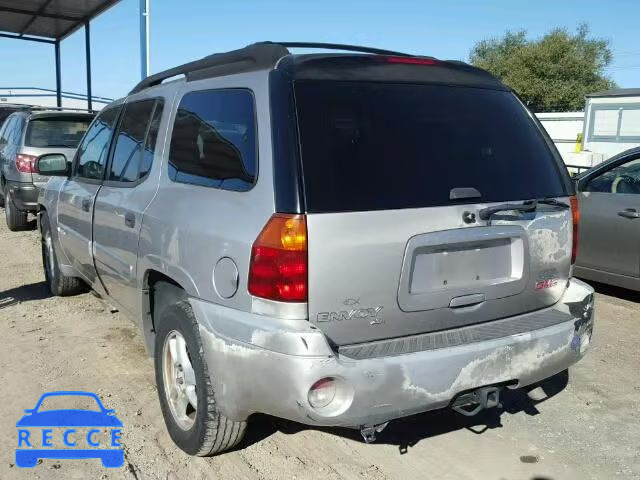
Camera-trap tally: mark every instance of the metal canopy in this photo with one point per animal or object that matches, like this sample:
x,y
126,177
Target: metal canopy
x,y
50,21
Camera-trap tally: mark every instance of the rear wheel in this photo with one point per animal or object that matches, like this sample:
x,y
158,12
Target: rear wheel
x,y
16,219
187,398
59,284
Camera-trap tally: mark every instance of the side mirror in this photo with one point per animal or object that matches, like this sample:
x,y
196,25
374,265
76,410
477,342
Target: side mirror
x,y
53,164
28,410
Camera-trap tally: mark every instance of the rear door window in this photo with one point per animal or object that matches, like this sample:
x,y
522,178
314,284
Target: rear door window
x,y
130,141
151,140
214,140
58,131
94,147
377,146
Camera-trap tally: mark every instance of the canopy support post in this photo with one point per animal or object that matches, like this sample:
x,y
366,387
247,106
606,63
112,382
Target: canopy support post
x,y
87,51
58,75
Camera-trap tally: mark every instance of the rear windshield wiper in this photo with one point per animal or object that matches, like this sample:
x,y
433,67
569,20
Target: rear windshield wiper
x,y
528,206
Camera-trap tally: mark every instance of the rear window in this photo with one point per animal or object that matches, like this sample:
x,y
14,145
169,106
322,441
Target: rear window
x,y
374,146
56,131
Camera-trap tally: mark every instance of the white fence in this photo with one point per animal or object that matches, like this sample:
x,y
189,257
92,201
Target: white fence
x,y
563,128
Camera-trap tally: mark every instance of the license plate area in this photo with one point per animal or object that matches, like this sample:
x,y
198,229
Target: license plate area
x,y
441,266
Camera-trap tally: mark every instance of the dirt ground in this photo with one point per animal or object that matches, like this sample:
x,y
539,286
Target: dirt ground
x,y
590,430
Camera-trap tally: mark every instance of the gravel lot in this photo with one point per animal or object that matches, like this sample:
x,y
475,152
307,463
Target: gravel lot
x,y
590,430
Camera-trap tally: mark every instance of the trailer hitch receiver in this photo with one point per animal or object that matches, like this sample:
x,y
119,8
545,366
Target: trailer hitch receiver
x,y
472,403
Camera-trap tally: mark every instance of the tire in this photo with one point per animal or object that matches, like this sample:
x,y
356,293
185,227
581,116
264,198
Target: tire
x,y
59,284
205,431
16,219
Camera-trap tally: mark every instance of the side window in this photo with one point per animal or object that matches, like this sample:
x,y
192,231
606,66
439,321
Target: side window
x,y
624,178
214,140
150,141
130,141
7,128
18,128
93,150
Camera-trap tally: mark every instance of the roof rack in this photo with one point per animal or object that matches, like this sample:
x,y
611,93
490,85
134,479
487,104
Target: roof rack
x,y
252,57
339,46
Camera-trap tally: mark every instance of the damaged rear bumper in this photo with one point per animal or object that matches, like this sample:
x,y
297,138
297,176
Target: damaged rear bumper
x,y
259,364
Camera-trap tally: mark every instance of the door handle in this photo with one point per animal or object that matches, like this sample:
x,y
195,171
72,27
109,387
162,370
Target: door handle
x,y
629,213
86,204
130,219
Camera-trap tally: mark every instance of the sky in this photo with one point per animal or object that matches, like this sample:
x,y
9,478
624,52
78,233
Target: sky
x,y
186,30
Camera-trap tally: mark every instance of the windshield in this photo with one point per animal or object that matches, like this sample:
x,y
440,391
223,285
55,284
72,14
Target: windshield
x,y
56,131
375,146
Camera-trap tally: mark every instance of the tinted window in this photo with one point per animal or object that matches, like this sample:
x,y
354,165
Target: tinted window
x,y
152,137
16,134
7,128
624,178
94,147
56,131
214,140
130,138
389,146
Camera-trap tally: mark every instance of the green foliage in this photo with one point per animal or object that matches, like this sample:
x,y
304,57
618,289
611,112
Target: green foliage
x,y
551,74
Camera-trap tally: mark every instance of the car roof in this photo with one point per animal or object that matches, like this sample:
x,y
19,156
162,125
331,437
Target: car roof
x,y
59,113
370,63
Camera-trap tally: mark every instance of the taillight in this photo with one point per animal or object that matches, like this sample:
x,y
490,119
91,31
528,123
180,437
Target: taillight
x,y
575,217
278,267
412,60
26,163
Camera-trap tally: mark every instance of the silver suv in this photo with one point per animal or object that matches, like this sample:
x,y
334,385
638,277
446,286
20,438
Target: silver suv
x,y
24,136
335,239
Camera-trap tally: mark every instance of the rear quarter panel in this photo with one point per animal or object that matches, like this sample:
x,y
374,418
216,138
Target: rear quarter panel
x,y
187,228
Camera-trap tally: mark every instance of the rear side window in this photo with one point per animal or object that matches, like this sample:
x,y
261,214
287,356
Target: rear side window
x,y
368,146
56,131
214,140
130,146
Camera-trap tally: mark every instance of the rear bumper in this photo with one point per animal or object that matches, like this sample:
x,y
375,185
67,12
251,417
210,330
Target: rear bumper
x,y
259,364
25,195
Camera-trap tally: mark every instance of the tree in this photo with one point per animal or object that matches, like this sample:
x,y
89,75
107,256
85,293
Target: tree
x,y
551,74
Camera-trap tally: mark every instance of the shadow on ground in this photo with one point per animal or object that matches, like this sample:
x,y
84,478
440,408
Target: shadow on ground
x,y
24,293
617,292
409,431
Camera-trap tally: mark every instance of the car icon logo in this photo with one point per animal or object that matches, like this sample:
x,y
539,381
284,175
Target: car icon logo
x,y
32,448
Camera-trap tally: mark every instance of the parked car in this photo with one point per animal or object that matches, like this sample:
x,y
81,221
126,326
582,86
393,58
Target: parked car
x,y
335,239
25,135
609,238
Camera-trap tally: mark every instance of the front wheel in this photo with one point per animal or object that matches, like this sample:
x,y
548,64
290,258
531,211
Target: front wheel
x,y
187,398
59,284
